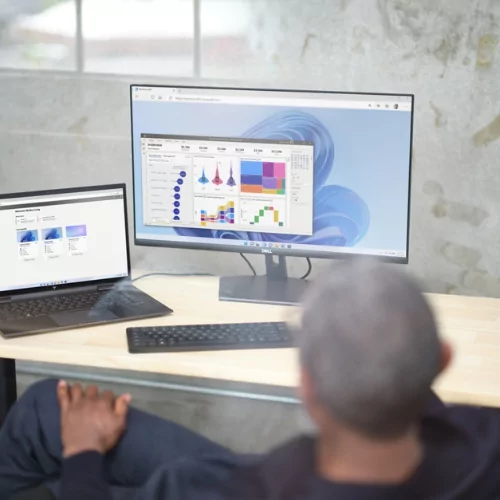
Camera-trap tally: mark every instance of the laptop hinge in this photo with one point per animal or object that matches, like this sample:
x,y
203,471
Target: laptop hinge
x,y
3,300
103,288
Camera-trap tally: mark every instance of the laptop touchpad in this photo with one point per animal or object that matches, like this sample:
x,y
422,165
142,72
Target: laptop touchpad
x,y
76,318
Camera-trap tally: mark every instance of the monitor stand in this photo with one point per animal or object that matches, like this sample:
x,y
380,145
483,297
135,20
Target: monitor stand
x,y
273,288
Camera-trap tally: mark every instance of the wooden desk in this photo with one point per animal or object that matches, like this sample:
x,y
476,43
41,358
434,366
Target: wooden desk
x,y
471,324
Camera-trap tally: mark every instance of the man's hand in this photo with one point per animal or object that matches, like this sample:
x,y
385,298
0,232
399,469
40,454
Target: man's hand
x,y
90,421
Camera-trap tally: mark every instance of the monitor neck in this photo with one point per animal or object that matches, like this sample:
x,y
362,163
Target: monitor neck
x,y
276,267
273,288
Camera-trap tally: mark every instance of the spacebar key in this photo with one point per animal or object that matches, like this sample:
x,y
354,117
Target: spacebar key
x,y
199,343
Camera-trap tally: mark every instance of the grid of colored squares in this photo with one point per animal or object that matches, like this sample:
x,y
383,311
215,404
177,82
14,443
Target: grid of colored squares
x,y
263,213
263,177
224,215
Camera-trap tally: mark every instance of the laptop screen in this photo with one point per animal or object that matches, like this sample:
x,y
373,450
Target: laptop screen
x,y
62,238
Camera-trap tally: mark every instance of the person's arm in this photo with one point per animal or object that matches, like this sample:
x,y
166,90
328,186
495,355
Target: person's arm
x,y
82,478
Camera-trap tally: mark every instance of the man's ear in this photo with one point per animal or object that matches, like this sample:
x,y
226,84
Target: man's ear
x,y
306,389
446,356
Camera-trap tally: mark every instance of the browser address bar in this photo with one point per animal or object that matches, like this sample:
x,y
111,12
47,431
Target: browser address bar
x,y
307,103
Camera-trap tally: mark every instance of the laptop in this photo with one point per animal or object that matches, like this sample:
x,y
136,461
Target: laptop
x,y
65,261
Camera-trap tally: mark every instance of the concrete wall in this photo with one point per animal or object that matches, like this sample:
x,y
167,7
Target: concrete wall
x,y
447,54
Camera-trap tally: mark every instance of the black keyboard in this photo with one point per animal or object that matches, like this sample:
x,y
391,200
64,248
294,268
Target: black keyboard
x,y
208,337
36,308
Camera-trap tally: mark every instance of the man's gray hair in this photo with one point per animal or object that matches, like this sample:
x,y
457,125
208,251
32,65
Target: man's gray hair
x,y
370,344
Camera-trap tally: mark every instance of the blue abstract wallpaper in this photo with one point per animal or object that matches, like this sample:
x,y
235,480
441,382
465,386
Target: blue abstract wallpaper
x,y
361,167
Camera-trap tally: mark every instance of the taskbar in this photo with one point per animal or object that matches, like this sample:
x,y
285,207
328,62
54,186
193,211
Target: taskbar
x,y
81,281
144,237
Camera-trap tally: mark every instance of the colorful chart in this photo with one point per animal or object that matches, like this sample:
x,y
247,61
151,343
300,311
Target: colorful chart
x,y
217,180
231,182
261,213
263,177
224,215
268,214
203,179
176,211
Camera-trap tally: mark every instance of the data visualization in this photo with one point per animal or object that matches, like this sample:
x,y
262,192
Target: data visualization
x,y
215,175
263,177
214,210
242,184
264,214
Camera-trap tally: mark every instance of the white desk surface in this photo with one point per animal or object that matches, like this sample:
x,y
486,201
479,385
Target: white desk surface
x,y
471,324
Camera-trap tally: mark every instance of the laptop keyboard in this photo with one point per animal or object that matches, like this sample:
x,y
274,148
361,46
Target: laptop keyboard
x,y
36,308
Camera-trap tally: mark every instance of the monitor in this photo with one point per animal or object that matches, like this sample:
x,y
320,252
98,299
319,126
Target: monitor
x,y
63,237
274,172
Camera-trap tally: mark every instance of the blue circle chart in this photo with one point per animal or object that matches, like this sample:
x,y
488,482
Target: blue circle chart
x,y
177,211
177,204
177,196
177,189
183,174
180,181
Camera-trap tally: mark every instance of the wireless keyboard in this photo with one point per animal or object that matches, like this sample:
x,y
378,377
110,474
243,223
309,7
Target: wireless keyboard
x,y
208,337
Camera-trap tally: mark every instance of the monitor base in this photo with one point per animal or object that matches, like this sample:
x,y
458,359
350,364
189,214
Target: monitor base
x,y
261,289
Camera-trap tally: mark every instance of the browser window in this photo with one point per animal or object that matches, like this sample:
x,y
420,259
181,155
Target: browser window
x,y
59,239
308,173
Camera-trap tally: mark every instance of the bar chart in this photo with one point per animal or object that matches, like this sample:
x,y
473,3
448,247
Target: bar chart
x,y
263,213
214,210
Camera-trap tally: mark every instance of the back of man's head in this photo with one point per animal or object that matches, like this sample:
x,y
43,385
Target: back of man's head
x,y
370,347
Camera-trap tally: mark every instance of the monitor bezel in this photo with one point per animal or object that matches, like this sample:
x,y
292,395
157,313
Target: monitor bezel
x,y
293,252
93,283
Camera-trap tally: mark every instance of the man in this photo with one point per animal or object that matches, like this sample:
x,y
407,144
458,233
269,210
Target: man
x,y
369,351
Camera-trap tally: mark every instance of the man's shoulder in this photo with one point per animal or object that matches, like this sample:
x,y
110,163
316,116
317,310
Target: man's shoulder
x,y
461,413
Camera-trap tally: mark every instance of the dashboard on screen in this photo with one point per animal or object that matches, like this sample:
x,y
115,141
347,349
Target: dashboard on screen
x,y
301,173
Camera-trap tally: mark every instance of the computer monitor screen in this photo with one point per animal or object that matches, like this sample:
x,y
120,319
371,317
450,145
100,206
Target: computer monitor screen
x,y
61,238
315,174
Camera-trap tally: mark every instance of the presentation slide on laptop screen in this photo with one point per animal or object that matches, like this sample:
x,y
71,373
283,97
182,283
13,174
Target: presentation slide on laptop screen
x,y
63,238
303,171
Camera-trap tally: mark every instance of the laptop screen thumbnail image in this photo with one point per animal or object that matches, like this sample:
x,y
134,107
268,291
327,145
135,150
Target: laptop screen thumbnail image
x,y
62,238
